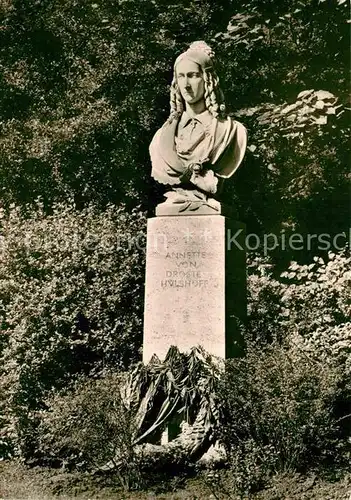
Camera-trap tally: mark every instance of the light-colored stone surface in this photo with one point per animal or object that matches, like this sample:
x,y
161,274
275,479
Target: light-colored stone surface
x,y
195,285
199,208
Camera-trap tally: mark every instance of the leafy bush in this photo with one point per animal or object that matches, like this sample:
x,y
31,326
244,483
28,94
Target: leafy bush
x,y
317,304
306,302
71,299
265,311
305,314
279,413
90,426
318,295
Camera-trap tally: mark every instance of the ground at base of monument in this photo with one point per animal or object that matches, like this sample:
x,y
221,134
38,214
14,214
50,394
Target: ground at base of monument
x,y
18,482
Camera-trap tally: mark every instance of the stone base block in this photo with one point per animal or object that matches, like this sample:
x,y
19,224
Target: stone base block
x,y
195,291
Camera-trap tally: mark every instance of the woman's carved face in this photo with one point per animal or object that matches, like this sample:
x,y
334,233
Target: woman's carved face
x,y
190,81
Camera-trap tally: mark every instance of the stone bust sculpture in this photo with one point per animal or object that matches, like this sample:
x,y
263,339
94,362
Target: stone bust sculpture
x,y
199,146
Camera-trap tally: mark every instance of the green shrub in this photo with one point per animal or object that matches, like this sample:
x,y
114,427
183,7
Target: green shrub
x,y
317,308
288,398
90,426
71,300
317,296
279,413
308,301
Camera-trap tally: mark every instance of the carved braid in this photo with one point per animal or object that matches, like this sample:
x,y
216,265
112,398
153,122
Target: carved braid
x,y
176,102
214,98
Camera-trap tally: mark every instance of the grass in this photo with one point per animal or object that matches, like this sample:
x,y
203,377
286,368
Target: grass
x,y
18,482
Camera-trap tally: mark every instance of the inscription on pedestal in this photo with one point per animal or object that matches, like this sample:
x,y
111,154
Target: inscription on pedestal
x,y
187,272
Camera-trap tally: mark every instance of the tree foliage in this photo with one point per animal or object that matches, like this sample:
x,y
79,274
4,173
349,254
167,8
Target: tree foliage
x,y
307,301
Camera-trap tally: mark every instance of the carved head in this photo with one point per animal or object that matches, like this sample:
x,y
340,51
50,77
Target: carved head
x,y
197,61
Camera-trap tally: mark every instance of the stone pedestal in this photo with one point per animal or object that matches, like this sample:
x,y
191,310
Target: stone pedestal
x,y
195,292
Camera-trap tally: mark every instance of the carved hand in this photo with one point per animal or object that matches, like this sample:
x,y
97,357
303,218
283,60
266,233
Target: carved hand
x,y
206,180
